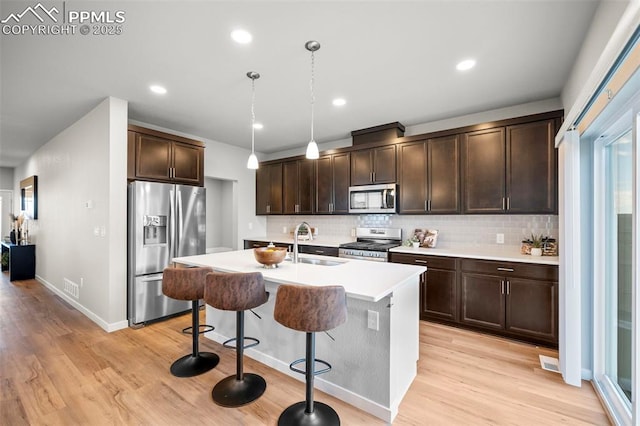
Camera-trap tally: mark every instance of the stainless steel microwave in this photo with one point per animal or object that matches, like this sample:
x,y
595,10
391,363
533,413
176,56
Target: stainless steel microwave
x,y
372,198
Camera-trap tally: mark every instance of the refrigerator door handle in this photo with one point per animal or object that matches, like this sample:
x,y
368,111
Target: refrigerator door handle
x,y
149,278
179,222
172,225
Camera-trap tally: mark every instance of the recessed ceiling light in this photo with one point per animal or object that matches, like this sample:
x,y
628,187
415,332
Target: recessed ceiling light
x,y
339,102
465,65
257,126
241,36
158,89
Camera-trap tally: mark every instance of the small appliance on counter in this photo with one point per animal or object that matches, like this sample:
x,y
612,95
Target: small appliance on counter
x,y
372,244
165,221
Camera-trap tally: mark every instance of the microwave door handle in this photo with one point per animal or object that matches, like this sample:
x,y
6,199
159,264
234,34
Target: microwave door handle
x,y
384,198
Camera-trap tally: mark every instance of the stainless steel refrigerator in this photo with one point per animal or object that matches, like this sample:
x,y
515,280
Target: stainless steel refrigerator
x,y
165,221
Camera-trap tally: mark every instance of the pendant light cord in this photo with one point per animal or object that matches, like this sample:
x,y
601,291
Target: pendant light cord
x,y
253,114
313,98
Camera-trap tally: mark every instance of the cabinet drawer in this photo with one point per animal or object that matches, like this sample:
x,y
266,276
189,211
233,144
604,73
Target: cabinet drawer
x,y
438,262
321,250
511,269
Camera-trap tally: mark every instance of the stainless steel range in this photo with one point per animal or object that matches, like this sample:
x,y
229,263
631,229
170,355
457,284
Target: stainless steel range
x,y
372,244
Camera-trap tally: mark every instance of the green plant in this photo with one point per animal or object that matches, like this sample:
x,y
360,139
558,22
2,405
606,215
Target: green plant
x,y
536,241
5,259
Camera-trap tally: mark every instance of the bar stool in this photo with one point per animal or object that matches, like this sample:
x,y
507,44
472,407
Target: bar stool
x,y
310,309
237,292
188,284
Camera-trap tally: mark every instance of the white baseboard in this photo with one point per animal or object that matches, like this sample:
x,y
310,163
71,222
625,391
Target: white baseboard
x,y
587,374
108,327
371,407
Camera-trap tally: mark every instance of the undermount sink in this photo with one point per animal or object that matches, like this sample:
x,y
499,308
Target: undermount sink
x,y
321,262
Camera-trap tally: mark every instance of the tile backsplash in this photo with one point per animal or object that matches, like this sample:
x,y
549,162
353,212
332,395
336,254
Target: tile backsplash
x,y
452,229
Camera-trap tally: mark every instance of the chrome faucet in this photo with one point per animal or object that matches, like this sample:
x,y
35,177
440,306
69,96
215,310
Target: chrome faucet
x,y
295,239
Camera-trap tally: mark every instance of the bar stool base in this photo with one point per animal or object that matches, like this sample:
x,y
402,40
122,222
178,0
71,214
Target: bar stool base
x,y
189,365
230,392
322,415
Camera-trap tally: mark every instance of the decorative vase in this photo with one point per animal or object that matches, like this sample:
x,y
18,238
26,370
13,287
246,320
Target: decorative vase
x,y
415,244
12,236
536,251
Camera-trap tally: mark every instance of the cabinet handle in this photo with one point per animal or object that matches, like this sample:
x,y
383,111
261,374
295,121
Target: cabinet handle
x,y
320,251
508,287
504,203
426,209
429,205
501,286
374,177
508,203
256,245
505,269
268,208
420,261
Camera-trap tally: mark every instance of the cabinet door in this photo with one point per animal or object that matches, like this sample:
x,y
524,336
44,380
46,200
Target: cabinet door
x,y
324,185
443,181
412,174
384,164
531,308
262,190
531,168
305,186
361,167
153,157
187,164
269,189
438,295
482,301
484,171
275,188
290,187
341,169
297,188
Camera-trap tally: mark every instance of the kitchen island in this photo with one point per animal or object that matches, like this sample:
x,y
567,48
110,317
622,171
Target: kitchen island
x,y
374,353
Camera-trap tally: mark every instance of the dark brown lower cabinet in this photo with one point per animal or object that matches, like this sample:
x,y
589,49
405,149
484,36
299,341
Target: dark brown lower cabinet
x,y
515,299
438,287
511,299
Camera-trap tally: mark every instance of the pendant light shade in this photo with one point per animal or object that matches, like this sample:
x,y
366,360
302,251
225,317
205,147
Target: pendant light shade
x,y
252,162
312,147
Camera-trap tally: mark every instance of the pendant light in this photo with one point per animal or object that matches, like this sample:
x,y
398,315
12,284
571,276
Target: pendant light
x,y
312,147
252,162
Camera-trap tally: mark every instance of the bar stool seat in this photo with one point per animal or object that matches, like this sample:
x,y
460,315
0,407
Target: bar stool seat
x,y
310,309
237,292
188,284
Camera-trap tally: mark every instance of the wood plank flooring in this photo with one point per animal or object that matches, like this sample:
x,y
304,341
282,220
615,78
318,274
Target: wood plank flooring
x,y
58,368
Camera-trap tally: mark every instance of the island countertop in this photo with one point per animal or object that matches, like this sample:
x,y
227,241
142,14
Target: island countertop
x,y
365,280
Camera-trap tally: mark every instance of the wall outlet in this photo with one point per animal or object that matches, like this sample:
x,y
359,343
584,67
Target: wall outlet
x,y
373,320
500,238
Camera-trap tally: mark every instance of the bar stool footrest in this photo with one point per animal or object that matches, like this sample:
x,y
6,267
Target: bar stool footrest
x,y
322,415
293,367
204,328
255,341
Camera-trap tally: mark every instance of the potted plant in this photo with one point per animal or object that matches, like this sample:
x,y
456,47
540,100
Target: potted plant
x,y
415,241
536,245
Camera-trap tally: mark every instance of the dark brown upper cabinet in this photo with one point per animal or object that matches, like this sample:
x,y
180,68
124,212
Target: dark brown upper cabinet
x,y
428,176
332,174
297,187
161,157
510,169
269,189
374,165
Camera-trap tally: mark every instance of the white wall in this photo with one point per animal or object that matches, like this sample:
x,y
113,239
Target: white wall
x,y
6,178
435,126
214,212
84,163
229,163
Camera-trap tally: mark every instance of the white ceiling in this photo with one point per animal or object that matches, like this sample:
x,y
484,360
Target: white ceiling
x,y
392,61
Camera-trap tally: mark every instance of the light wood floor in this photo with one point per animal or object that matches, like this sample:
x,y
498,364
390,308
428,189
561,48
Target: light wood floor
x,y
59,368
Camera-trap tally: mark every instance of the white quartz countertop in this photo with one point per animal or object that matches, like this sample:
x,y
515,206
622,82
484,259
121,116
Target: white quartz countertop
x,y
481,251
361,279
317,241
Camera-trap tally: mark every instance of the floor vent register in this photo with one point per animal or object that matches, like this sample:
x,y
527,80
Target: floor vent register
x,y
549,364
